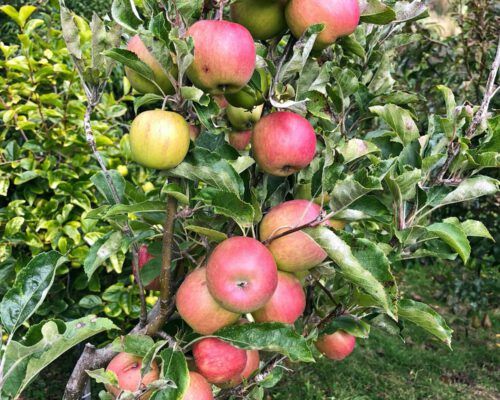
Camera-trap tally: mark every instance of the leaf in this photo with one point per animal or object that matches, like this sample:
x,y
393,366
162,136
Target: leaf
x,y
125,14
151,355
406,11
351,267
470,189
100,251
101,183
356,148
24,13
271,336
144,207
130,59
212,234
103,376
29,290
173,368
400,120
13,226
349,324
453,236
138,345
23,363
476,228
206,166
228,204
376,12
425,317
194,94
70,33
174,190
148,98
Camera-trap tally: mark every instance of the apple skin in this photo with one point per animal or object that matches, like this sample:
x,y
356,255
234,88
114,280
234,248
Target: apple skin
x,y
221,101
264,19
286,305
194,132
249,96
242,119
218,361
336,346
296,251
127,368
198,308
240,140
159,139
141,84
199,388
340,17
241,274
283,143
144,257
224,56
251,366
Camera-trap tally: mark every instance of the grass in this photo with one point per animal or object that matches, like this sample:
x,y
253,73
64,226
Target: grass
x,y
383,367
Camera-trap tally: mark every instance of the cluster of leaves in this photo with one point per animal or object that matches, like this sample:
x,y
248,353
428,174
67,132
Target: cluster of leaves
x,y
376,169
46,172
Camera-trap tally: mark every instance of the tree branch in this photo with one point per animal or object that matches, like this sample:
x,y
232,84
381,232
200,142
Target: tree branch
x,y
479,117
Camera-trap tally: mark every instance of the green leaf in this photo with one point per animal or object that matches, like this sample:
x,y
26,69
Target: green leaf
x,y
147,99
144,207
101,183
211,234
406,11
151,355
174,190
23,363
125,14
100,251
453,236
425,317
29,289
376,12
12,13
349,324
13,226
351,268
194,94
24,13
206,166
356,148
476,228
130,60
228,204
173,368
400,120
103,376
138,345
272,336
449,99
470,189
70,33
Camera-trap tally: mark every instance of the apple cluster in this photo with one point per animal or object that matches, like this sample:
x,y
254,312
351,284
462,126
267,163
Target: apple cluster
x,y
243,276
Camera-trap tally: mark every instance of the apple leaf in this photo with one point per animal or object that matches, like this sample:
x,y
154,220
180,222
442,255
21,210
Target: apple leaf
x,y
138,345
376,12
468,189
209,167
125,14
352,269
100,182
271,336
144,207
30,288
425,317
211,234
100,251
347,323
453,236
130,60
400,120
174,369
23,363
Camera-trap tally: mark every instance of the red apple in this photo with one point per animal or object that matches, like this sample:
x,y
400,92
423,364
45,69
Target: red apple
x,y
224,56
194,132
296,251
144,257
127,368
340,17
241,274
198,308
240,140
199,388
142,84
251,366
264,19
336,346
218,361
283,143
286,305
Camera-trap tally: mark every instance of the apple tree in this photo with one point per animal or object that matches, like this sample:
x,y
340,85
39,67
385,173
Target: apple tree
x,y
289,173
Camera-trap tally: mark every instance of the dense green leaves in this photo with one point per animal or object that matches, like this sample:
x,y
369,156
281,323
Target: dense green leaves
x,y
272,336
29,290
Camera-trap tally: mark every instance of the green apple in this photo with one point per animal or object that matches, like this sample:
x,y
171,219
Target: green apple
x,y
252,94
264,19
159,139
242,119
